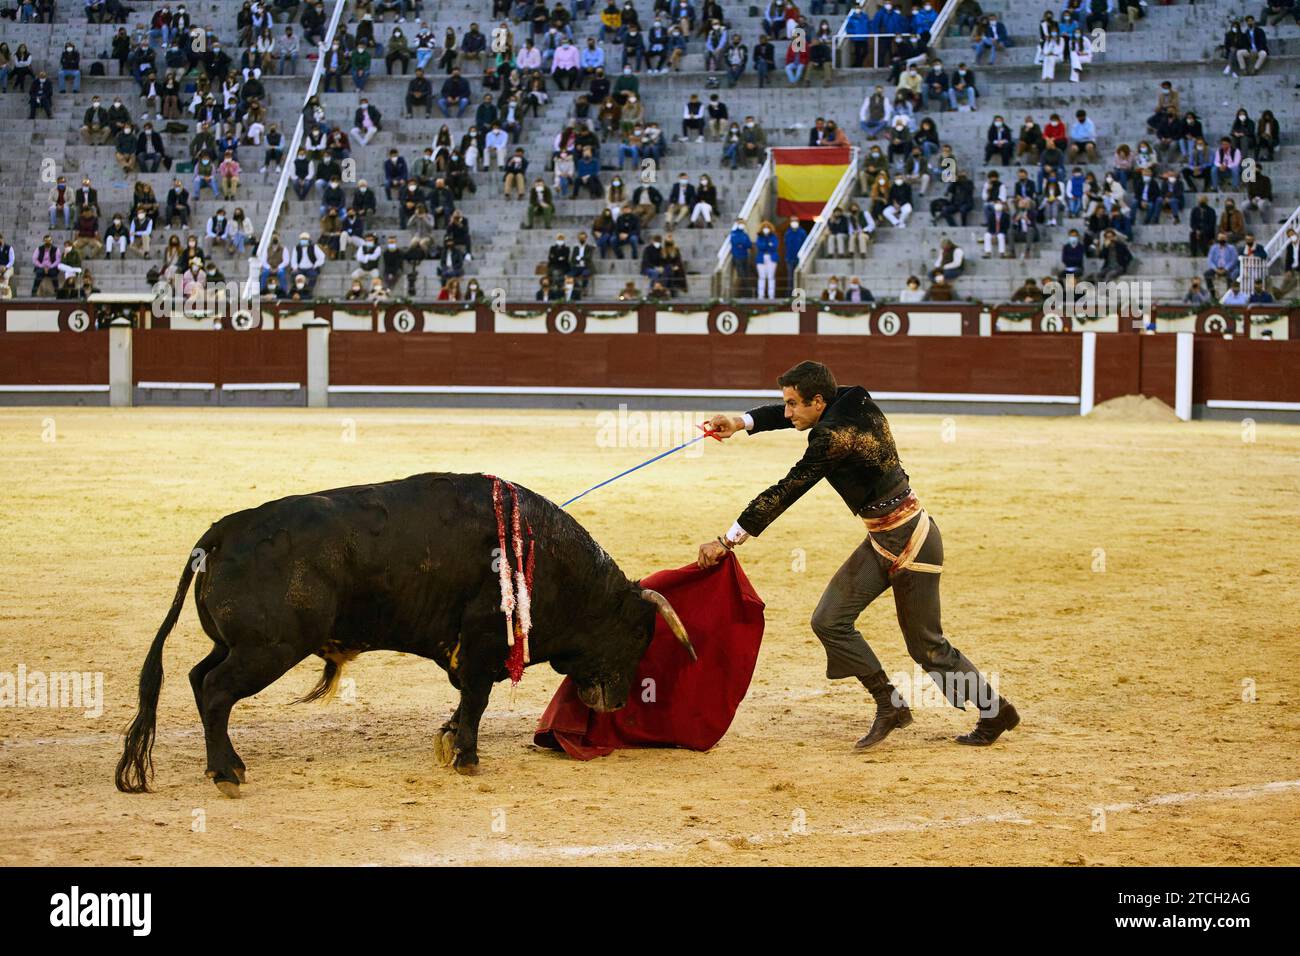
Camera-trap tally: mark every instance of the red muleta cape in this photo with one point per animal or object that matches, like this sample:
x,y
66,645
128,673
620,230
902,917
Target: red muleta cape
x,y
694,703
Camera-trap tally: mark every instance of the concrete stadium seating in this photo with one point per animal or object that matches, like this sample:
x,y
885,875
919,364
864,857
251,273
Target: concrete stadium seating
x,y
1173,42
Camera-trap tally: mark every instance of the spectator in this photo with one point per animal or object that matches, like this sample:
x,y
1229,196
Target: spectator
x,y
1232,223
455,90
1029,293
753,143
741,246
766,260
116,237
419,93
216,231
368,256
681,201
365,122
70,67
795,236
45,262
306,259
1204,225
940,289
1083,138
228,172
1261,295
94,123
1222,264
912,291
1226,164
41,96
516,167
989,34
1290,258
998,141
1235,295
451,261
1252,48
7,260
140,233
1259,195
951,260
1072,257
997,223
1196,295
1115,257
541,203
60,199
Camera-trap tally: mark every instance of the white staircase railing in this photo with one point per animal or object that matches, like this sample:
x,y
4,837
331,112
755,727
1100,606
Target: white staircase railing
x,y
751,213
842,36
252,288
808,251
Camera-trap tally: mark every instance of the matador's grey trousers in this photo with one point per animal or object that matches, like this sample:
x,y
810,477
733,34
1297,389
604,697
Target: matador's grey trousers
x,y
863,578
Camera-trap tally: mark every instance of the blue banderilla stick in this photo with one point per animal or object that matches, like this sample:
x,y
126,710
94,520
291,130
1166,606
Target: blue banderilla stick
x,y
685,444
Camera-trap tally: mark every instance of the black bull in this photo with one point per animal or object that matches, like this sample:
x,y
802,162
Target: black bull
x,y
399,566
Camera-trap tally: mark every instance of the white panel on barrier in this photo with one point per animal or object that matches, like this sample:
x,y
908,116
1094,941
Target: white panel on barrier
x,y
32,320
191,323
295,320
681,323
1179,323
451,322
828,323
773,323
513,324
1279,328
934,323
613,323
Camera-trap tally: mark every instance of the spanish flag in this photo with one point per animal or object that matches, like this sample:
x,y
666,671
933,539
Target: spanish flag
x,y
806,177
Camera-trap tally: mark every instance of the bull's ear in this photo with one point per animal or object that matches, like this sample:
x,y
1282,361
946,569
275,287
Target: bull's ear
x,y
669,615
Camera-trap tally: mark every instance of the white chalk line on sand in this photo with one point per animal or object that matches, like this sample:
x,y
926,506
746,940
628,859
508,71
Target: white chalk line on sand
x,y
515,852
1242,792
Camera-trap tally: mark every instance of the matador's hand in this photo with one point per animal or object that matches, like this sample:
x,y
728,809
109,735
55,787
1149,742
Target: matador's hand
x,y
724,426
711,552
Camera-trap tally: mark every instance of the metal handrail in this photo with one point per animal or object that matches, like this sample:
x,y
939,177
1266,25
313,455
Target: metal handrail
x,y
808,251
1273,248
253,287
762,182
937,29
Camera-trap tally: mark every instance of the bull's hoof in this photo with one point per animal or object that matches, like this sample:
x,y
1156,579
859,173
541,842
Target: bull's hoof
x,y
465,765
242,774
228,788
444,747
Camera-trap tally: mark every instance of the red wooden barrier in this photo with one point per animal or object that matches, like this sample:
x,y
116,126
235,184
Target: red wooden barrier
x,y
168,355
37,358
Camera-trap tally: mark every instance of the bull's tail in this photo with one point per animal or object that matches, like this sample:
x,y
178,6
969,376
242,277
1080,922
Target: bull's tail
x,y
329,678
135,769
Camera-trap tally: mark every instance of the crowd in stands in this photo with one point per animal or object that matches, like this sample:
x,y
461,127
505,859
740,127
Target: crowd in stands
x,y
199,110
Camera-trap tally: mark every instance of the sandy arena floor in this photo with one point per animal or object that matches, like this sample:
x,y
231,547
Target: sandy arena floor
x,y
1126,581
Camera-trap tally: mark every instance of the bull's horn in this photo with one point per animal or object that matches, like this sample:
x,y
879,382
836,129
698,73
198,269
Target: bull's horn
x,y
675,622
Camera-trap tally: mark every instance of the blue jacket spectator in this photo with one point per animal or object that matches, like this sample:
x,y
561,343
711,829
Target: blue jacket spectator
x,y
766,248
924,18
794,240
890,20
859,24
1072,256
741,244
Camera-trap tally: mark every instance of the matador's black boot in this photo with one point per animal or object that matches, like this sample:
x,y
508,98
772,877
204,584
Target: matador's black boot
x,y
989,729
890,715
